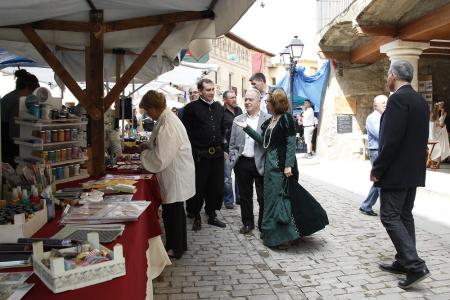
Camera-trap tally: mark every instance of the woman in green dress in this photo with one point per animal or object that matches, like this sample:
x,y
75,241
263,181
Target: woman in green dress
x,y
278,138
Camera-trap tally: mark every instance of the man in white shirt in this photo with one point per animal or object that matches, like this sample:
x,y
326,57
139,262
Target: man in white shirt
x,y
258,81
308,122
247,158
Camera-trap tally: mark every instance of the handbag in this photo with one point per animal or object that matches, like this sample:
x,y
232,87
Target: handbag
x,y
283,211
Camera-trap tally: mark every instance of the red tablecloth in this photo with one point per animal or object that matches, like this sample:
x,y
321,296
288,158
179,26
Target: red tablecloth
x,y
135,244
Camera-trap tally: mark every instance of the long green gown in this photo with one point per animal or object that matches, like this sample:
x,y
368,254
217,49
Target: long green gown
x,y
280,143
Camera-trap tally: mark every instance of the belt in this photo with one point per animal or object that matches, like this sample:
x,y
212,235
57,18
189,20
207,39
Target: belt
x,y
308,126
246,157
209,150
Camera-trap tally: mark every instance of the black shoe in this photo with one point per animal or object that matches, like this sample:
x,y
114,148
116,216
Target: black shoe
x,y
246,229
216,222
261,236
395,268
229,206
238,202
197,224
412,278
190,215
369,213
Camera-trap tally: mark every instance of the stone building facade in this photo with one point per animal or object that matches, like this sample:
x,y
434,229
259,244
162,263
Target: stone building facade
x,y
233,55
361,40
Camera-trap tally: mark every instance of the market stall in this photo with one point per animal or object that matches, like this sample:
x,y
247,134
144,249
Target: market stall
x,y
144,253
110,40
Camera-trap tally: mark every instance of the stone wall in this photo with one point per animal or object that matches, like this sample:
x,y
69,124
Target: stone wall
x,y
362,83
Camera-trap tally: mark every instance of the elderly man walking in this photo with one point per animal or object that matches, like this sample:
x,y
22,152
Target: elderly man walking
x,y
400,168
373,129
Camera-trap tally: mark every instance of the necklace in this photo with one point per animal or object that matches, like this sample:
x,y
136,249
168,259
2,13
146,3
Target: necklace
x,y
273,121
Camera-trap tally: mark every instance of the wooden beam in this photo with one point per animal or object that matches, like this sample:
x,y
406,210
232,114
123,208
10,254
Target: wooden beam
x,y
143,57
440,56
435,25
94,83
164,19
337,55
58,25
365,30
436,51
59,69
442,44
369,52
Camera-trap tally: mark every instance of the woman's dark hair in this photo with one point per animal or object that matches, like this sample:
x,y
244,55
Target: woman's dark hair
x,y
25,80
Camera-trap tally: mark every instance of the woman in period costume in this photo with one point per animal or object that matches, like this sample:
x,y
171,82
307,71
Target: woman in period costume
x,y
438,132
168,154
306,216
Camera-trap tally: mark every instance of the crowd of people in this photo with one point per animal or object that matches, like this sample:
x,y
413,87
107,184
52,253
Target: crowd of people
x,y
258,145
193,152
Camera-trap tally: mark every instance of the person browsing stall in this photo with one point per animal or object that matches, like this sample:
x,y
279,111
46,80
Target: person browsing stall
x,y
26,83
168,154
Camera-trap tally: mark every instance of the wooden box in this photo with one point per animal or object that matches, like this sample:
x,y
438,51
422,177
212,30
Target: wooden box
x,y
57,279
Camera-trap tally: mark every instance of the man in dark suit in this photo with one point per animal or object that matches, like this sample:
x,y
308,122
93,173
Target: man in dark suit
x,y
400,169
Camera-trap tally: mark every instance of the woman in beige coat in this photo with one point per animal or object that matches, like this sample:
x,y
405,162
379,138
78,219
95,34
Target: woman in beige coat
x,y
168,154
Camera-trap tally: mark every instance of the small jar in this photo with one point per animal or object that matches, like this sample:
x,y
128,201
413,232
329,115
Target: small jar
x,y
42,135
67,135
61,135
74,134
51,156
66,172
75,152
63,154
76,170
57,155
48,136
54,136
44,155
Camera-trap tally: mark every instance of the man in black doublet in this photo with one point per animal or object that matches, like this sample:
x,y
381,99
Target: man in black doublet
x,y
203,120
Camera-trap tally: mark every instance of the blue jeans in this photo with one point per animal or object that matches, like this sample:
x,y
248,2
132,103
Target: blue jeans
x,y
374,191
228,197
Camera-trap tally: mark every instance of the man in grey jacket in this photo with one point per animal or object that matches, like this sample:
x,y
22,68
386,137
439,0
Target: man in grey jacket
x,y
247,159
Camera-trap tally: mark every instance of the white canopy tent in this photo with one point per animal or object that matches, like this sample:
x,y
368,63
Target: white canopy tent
x,y
112,40
69,46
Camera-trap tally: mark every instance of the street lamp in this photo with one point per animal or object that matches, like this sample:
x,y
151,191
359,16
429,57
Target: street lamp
x,y
289,58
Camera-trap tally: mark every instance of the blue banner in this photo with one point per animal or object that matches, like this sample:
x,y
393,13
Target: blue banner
x,y
307,87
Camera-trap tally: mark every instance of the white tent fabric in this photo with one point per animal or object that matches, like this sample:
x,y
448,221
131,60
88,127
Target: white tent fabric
x,y
190,34
187,73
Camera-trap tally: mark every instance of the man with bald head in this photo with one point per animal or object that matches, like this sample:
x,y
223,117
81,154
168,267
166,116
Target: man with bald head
x,y
247,159
373,129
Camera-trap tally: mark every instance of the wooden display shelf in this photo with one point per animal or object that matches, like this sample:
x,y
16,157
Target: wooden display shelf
x,y
53,164
51,123
41,146
73,178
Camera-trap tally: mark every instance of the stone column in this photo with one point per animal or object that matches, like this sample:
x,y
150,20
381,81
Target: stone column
x,y
404,50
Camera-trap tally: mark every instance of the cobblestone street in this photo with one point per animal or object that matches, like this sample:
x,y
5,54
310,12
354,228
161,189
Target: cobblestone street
x,y
339,262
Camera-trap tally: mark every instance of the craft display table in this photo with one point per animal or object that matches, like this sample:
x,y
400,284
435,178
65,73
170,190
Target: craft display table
x,y
141,244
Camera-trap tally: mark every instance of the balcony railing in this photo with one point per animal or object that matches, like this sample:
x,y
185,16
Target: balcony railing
x,y
327,10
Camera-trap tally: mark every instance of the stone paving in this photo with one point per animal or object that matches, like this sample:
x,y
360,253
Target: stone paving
x,y
339,262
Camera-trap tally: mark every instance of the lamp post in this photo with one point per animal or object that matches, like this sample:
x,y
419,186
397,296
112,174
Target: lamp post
x,y
289,57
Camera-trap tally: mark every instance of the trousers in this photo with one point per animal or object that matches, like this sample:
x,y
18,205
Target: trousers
x,y
397,218
246,175
209,178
